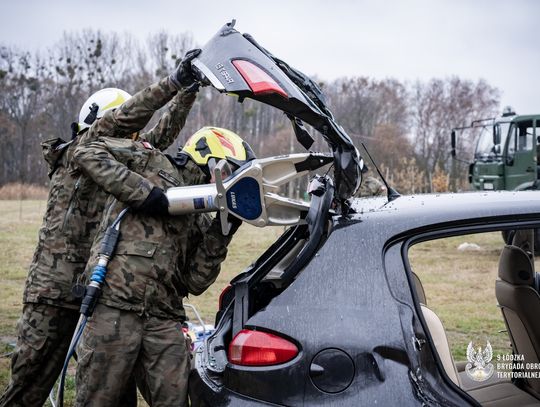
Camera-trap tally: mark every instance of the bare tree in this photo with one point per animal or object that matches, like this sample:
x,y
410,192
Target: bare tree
x,y
21,102
406,127
440,105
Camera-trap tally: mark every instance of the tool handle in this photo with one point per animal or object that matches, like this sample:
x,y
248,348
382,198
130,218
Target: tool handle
x,y
192,199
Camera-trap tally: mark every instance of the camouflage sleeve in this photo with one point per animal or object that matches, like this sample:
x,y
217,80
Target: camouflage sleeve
x,y
204,263
134,114
171,122
105,161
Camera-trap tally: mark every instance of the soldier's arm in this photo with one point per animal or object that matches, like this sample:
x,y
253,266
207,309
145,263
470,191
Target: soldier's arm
x,y
204,263
171,122
104,161
133,114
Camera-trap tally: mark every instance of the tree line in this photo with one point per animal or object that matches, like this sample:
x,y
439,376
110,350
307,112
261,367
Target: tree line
x,y
405,125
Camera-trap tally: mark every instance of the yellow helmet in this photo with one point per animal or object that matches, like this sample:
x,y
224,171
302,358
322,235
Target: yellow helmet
x,y
219,144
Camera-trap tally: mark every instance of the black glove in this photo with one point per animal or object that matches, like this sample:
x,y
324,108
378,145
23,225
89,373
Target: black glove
x,y
155,204
183,77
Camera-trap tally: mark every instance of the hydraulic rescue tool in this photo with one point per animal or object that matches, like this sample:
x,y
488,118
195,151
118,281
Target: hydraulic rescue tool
x,y
250,193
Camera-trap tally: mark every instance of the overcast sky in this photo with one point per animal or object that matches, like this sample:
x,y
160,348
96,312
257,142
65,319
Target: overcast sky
x,y
495,40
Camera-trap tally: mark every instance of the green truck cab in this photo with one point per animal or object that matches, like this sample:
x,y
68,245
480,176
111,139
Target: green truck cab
x,y
506,155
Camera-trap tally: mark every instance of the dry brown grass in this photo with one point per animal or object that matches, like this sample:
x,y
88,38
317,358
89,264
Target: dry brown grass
x,y
17,191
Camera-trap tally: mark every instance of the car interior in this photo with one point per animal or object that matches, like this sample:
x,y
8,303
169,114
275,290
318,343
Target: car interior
x,y
518,298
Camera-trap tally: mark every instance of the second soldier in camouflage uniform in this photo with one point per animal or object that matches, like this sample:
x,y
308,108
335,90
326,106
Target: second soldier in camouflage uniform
x,y
74,210
371,186
136,326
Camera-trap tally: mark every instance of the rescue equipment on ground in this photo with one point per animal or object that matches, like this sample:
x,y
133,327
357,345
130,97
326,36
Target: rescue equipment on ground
x,y
197,331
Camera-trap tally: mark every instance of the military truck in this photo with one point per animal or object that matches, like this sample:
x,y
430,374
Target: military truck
x,y
505,156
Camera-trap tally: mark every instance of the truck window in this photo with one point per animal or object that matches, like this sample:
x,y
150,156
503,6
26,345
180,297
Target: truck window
x,y
485,149
521,137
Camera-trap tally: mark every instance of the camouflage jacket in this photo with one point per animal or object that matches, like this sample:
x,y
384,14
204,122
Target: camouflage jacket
x,y
158,260
75,203
371,187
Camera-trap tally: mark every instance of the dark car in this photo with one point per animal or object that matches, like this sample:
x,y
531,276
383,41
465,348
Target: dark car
x,y
351,327
332,313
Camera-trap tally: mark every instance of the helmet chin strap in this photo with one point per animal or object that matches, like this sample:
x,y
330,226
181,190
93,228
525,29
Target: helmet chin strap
x,y
92,116
74,130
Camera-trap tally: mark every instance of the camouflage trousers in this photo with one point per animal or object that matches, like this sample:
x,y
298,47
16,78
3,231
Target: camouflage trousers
x,y
44,333
117,343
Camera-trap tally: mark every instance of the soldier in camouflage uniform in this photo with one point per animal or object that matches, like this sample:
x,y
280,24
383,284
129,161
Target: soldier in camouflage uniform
x,y
137,324
371,186
74,210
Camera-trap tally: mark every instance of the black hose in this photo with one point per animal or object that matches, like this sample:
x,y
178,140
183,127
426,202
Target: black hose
x,y
71,351
93,291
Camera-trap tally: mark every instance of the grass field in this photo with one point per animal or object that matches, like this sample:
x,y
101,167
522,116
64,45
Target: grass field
x,y
459,285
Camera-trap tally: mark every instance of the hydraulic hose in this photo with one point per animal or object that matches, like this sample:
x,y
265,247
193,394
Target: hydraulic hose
x,y
92,293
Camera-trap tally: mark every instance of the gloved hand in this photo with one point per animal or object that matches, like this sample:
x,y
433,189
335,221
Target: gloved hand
x,y
183,77
156,204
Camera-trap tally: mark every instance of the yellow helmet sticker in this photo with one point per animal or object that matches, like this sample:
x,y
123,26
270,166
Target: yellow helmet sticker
x,y
115,103
214,142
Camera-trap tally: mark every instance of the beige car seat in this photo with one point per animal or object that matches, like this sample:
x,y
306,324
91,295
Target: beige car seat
x,y
492,393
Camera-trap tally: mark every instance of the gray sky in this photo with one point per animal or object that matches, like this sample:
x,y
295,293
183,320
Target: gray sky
x,y
418,39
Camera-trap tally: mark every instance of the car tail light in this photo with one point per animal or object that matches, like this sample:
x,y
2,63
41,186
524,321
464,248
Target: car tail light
x,y
222,296
256,348
257,79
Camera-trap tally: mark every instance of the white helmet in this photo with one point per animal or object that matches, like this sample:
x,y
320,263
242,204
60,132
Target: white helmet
x,y
97,104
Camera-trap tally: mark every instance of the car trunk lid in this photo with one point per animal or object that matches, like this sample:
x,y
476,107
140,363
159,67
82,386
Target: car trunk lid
x,y
234,63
